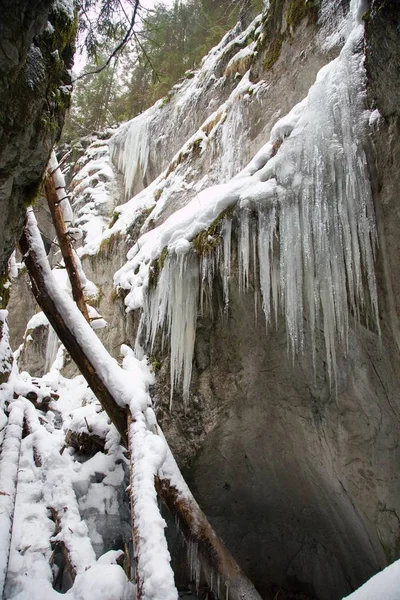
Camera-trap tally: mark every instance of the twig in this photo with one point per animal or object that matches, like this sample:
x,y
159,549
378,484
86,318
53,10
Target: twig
x,y
116,50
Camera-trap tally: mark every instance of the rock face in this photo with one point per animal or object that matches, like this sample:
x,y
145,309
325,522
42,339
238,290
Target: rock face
x,y
36,51
300,477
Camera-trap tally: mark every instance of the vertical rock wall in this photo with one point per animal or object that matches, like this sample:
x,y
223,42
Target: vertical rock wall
x,y
36,52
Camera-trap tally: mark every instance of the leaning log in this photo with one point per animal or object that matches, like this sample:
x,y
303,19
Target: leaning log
x,y
28,245
221,570
54,201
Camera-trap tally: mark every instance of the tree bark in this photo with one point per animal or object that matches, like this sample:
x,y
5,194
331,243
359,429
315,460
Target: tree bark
x,y
65,245
217,562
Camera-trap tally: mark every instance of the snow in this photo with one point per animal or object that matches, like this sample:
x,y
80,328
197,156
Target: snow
x,y
305,216
47,484
51,349
93,188
383,586
12,266
6,356
65,6
37,320
103,582
9,462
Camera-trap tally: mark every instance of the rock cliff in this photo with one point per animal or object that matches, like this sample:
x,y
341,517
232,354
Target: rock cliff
x,y
36,53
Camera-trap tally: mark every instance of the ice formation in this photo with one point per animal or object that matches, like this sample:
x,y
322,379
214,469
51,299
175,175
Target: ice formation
x,y
304,211
130,148
51,349
173,305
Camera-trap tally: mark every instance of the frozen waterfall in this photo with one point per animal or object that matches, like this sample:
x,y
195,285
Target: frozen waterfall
x,y
305,226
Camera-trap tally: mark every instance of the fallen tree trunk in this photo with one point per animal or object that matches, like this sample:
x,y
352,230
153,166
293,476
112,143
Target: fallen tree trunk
x,y
29,250
221,570
9,463
53,193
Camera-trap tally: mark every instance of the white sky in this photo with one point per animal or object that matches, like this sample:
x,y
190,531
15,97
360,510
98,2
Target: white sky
x,y
150,3
80,59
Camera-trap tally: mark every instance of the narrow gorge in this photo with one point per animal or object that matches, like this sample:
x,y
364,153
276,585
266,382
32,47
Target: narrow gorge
x,y
237,243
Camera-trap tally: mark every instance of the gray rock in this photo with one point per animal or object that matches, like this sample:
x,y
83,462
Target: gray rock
x,y
33,101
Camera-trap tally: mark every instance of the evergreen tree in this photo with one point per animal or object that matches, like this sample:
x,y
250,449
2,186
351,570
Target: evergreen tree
x,y
171,41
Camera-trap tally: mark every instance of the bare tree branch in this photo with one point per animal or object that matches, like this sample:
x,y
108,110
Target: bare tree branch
x,y
117,49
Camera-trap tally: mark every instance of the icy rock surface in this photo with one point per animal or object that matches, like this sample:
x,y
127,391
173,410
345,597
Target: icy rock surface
x,y
305,216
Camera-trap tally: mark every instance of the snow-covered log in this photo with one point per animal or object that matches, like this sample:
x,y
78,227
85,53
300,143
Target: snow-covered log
x,y
56,198
39,272
114,390
9,461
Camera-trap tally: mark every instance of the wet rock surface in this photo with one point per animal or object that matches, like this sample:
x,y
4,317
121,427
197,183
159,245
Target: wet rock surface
x,y
34,63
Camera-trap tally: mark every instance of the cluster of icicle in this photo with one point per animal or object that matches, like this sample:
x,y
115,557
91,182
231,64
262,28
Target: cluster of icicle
x,y
155,132
306,222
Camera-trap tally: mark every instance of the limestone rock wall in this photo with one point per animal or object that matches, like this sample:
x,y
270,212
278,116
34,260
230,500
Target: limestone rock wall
x,y
36,52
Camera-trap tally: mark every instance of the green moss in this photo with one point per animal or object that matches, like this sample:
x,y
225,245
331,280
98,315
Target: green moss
x,y
217,222
299,10
273,53
154,364
32,192
107,245
163,257
117,293
146,212
276,30
206,241
95,300
196,147
156,267
57,45
114,218
366,16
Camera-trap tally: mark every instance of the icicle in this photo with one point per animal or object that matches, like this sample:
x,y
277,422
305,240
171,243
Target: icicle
x,y
173,306
194,563
130,149
316,238
266,230
51,349
244,250
233,136
208,264
226,265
